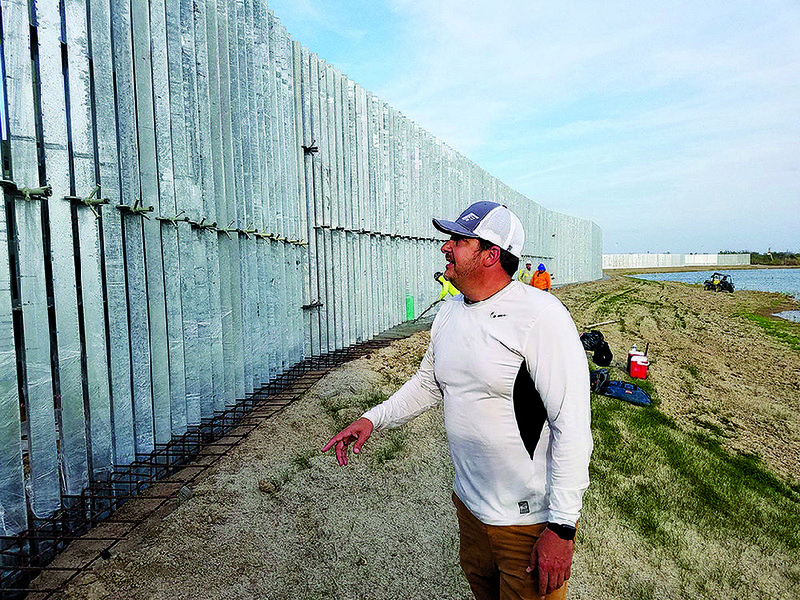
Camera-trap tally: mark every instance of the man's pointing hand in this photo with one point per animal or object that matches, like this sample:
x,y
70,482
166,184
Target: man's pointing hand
x,y
358,432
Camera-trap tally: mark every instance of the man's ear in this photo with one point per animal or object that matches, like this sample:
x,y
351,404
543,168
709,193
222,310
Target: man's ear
x,y
491,256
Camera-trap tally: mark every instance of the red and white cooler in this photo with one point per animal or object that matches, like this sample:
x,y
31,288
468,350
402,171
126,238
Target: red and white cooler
x,y
639,364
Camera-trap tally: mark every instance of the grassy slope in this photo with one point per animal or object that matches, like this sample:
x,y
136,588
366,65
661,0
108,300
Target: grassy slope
x,y
686,506
671,513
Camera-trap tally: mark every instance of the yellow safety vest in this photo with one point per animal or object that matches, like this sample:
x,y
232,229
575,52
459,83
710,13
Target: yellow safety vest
x,y
447,288
526,276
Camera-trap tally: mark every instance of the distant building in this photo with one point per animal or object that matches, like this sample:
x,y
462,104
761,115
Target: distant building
x,y
648,261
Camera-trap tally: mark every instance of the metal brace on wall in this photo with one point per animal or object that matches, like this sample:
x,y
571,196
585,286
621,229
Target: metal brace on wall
x,y
89,200
174,220
228,230
314,304
201,224
380,234
264,235
136,209
311,149
37,193
249,231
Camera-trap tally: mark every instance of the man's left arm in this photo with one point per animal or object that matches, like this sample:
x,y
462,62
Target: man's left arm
x,y
560,372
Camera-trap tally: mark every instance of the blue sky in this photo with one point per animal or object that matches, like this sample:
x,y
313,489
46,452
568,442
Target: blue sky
x,y
674,125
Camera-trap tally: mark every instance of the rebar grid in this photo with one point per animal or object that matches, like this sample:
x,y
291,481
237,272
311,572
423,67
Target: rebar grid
x,y
29,554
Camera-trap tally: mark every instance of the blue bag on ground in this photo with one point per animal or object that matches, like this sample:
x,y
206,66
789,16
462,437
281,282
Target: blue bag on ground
x,y
600,383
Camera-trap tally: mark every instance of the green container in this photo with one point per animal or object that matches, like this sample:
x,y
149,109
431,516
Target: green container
x,y
410,308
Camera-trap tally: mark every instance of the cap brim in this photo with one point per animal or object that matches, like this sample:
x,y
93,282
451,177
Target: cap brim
x,y
452,227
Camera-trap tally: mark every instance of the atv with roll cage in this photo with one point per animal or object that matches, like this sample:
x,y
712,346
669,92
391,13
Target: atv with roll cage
x,y
719,282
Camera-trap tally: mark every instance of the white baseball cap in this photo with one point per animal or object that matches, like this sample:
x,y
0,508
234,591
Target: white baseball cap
x,y
489,221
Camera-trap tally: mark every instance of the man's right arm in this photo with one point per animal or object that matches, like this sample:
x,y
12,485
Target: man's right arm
x,y
418,394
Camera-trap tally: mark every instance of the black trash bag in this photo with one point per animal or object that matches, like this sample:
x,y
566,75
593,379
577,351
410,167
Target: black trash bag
x,y
591,340
602,355
598,380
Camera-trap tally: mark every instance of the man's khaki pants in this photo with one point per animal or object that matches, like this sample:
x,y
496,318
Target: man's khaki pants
x,y
494,558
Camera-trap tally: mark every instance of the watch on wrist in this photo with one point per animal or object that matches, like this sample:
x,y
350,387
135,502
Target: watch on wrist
x,y
565,532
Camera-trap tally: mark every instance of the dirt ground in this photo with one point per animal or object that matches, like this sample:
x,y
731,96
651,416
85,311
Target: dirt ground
x,y
275,519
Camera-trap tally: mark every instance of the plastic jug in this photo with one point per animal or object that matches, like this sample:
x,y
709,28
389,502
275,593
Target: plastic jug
x,y
633,352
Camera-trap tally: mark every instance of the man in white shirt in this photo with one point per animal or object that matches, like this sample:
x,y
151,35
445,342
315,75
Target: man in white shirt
x,y
507,361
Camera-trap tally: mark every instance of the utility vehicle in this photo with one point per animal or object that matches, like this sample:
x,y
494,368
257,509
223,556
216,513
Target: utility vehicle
x,y
719,282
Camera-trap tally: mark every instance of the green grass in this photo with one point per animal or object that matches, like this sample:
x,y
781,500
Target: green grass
x,y
656,474
618,305
370,399
302,460
661,480
712,428
787,332
343,410
688,382
336,407
692,370
611,305
333,407
392,445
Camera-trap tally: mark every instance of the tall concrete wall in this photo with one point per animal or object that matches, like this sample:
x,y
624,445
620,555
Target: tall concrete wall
x,y
193,205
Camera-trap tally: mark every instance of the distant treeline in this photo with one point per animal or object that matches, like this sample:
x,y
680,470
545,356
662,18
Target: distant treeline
x,y
769,258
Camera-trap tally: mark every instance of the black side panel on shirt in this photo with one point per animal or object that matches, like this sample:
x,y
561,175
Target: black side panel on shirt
x,y
529,409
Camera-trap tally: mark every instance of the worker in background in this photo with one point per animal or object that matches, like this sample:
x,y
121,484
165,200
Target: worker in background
x,y
541,279
526,274
447,287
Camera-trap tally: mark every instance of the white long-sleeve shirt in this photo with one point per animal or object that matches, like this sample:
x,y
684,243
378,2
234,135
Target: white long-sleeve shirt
x,y
514,379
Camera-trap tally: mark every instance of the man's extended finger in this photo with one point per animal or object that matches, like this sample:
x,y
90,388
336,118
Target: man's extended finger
x,y
331,442
341,436
556,581
359,442
543,580
341,453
